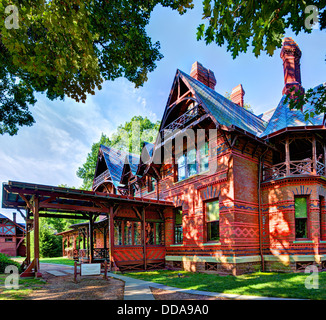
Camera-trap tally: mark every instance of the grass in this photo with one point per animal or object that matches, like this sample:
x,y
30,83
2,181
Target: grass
x,y
284,285
57,260
25,288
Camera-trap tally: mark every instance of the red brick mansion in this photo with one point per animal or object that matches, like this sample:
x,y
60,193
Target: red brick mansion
x,y
248,191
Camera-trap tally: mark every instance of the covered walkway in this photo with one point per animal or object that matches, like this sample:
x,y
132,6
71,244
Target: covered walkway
x,y
55,202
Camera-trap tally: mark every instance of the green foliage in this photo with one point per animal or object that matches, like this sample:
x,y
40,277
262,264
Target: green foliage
x,y
317,97
5,261
67,48
263,23
50,244
128,137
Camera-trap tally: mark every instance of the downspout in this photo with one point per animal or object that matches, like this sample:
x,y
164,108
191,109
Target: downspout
x,y
261,160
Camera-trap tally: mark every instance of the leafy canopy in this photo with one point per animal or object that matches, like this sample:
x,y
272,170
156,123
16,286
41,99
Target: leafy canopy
x,y
128,137
263,24
67,48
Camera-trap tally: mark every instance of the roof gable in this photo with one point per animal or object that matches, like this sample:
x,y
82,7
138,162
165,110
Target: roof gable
x,y
224,110
283,117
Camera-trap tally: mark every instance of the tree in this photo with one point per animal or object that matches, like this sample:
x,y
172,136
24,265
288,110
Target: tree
x,y
67,48
50,244
263,24
128,137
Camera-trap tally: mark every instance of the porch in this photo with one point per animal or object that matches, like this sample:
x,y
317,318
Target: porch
x,y
139,218
300,155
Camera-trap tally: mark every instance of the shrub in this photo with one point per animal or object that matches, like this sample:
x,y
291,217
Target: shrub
x,y
5,261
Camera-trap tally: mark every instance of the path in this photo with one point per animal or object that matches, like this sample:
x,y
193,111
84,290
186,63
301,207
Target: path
x,y
140,290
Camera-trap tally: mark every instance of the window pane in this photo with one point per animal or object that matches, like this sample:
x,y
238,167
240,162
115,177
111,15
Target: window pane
x,y
212,211
128,233
301,228
300,205
149,232
137,233
181,160
117,233
192,169
178,234
204,164
213,232
159,235
203,150
192,156
181,173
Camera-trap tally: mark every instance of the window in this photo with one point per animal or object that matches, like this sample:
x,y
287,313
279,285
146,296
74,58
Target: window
x,y
193,162
213,221
128,233
118,232
301,217
321,203
203,157
137,233
151,184
159,233
8,240
187,164
178,234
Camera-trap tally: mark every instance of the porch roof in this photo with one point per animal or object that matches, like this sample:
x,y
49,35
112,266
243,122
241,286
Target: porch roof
x,y
66,200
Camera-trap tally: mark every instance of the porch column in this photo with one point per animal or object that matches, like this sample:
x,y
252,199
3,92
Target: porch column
x,y
144,236
324,159
111,238
91,240
314,155
28,238
36,236
287,155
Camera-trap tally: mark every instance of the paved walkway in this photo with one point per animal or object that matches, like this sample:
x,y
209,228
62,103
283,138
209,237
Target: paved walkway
x,y
140,290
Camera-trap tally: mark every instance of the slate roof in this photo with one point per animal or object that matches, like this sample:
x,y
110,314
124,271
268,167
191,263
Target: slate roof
x,y
283,118
224,110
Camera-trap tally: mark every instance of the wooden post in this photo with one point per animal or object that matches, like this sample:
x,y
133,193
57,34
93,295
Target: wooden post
x,y
158,189
144,236
314,155
28,237
111,238
91,240
36,237
324,159
287,155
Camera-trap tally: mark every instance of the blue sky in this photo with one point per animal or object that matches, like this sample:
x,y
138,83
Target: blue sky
x,y
51,151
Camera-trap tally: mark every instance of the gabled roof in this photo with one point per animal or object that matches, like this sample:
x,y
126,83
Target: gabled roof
x,y
146,156
283,118
224,110
115,160
130,165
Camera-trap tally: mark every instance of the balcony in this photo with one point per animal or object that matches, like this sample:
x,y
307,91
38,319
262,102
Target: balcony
x,y
184,119
294,168
103,177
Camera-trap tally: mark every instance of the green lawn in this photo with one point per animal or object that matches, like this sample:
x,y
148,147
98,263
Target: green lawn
x,y
285,285
25,288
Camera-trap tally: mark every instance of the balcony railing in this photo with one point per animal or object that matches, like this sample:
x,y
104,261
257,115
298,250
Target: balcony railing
x,y
294,168
184,119
103,177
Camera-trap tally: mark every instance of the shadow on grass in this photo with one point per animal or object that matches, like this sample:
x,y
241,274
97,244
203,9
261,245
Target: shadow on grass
x,y
284,285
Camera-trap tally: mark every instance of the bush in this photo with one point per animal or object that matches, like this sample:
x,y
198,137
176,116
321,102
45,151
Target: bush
x,y
5,261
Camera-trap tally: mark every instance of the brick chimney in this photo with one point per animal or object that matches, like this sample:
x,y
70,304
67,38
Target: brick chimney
x,y
237,95
291,55
203,75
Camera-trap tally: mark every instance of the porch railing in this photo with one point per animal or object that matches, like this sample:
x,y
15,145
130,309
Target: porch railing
x,y
101,253
105,176
180,122
294,168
